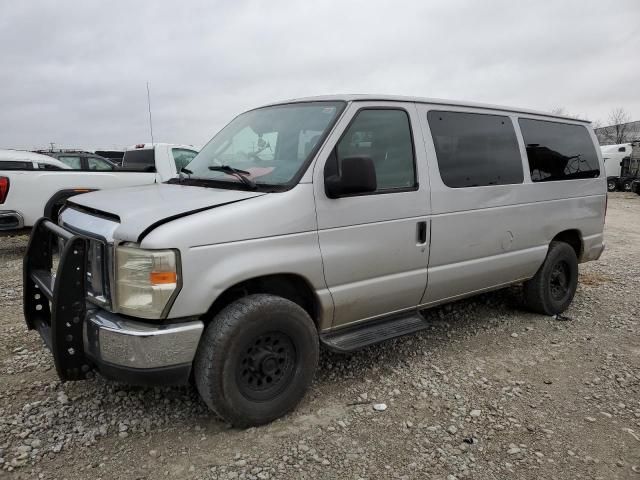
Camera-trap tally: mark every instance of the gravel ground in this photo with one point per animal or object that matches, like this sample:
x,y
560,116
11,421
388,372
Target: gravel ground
x,y
488,392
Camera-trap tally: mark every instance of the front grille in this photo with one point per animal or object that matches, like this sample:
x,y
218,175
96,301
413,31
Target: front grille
x,y
97,273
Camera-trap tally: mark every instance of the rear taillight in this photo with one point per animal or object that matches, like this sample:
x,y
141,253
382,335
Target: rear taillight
x,y
4,188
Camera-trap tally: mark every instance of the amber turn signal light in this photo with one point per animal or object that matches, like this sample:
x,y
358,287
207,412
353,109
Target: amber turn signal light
x,y
163,278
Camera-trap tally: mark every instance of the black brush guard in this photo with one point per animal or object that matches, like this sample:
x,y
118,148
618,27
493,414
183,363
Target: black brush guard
x,y
55,305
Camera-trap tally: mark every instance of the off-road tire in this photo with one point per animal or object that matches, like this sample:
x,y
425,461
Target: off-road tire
x,y
541,293
611,185
626,185
227,375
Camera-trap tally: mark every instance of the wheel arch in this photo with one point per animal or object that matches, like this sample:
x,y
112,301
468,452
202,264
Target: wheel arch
x,y
573,237
60,197
292,286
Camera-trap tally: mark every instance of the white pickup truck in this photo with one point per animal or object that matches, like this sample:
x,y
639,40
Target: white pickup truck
x,y
28,191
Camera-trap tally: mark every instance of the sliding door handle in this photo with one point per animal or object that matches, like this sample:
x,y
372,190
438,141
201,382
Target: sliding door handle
x,y
421,232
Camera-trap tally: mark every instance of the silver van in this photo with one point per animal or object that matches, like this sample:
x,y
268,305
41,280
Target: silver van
x,y
328,221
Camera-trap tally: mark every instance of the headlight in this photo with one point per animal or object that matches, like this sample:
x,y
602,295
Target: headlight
x,y
146,281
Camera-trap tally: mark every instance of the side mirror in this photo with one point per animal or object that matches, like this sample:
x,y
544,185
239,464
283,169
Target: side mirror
x,y
356,175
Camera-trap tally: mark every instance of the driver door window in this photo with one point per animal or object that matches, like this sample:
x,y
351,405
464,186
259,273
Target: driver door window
x,y
385,137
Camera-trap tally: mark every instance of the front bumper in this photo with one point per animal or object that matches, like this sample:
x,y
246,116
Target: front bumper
x,y
141,353
82,337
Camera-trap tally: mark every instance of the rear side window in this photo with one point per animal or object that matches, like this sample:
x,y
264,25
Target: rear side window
x,y
475,150
15,165
558,151
142,159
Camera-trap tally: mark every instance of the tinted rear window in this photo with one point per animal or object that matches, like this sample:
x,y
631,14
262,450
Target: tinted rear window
x,y
139,159
16,165
475,150
558,151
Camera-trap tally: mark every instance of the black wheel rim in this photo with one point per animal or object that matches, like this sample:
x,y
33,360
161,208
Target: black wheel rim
x,y
559,281
266,366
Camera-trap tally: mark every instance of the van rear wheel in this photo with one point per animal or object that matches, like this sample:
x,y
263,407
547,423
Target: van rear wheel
x,y
552,288
256,359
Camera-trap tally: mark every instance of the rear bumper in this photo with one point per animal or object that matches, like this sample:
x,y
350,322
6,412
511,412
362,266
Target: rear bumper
x,y
10,220
82,337
593,246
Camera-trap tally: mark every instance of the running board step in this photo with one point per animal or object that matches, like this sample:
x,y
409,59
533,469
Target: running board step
x,y
370,333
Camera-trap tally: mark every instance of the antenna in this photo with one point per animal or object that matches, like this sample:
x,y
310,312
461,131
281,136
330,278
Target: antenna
x,y
149,103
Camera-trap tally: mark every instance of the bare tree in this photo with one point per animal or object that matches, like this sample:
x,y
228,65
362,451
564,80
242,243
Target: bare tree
x,y
618,129
562,112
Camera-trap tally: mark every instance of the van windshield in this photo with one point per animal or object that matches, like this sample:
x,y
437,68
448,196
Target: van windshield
x,y
270,145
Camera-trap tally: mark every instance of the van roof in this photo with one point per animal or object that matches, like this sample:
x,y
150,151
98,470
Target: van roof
x,y
437,101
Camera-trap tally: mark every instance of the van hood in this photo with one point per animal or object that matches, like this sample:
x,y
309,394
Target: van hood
x,y
138,210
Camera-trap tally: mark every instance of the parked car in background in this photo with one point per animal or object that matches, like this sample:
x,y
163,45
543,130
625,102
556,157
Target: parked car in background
x,y
115,156
613,157
80,160
326,221
23,160
30,193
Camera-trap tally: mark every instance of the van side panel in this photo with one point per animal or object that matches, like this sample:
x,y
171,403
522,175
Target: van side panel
x,y
478,249
489,236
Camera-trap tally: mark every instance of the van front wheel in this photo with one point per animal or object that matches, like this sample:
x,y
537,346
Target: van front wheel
x,y
552,289
256,359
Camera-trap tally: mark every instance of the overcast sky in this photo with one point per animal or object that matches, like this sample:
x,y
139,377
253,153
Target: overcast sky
x,y
75,73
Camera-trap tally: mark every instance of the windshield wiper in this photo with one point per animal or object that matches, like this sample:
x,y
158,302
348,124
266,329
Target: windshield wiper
x,y
241,175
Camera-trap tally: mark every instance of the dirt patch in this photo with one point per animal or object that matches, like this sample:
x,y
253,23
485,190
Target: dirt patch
x,y
593,279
